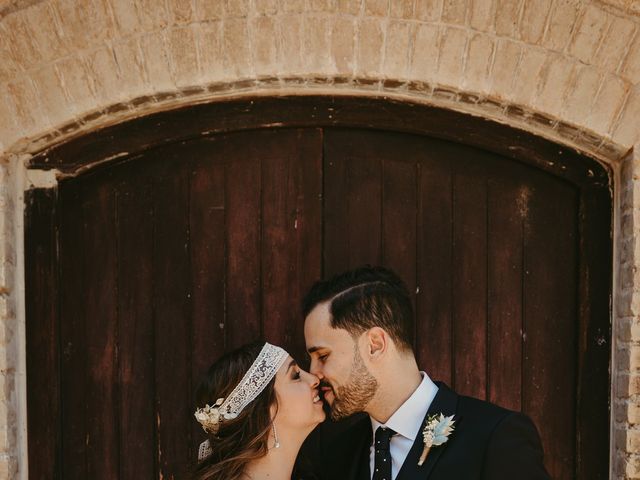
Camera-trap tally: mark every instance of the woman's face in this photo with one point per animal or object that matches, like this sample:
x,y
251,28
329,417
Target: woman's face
x,y
299,403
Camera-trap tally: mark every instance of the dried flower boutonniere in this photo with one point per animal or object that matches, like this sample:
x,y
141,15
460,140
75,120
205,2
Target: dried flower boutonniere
x,y
436,431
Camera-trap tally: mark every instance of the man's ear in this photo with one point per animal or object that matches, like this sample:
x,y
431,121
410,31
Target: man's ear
x,y
377,342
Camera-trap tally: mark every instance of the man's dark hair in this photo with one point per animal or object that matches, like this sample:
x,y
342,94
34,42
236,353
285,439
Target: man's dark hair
x,y
364,298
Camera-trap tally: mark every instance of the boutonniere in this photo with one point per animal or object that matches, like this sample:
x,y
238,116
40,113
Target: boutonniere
x,y
437,429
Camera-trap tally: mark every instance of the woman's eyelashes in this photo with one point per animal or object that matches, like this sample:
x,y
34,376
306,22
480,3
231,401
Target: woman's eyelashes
x,y
296,375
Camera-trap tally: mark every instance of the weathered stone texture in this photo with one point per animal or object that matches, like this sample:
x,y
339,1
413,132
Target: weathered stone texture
x,y
573,63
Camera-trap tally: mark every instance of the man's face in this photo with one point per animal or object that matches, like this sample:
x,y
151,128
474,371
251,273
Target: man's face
x,y
346,383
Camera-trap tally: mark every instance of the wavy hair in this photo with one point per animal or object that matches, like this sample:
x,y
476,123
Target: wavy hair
x,y
244,438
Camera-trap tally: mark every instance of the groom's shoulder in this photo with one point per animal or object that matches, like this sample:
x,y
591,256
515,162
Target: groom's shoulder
x,y
485,417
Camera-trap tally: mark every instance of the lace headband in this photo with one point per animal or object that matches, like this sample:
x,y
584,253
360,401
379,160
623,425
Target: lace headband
x,y
261,372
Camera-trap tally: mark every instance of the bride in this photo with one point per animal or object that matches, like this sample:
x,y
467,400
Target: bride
x,y
257,406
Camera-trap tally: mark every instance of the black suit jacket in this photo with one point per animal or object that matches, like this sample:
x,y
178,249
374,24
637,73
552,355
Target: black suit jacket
x,y
489,442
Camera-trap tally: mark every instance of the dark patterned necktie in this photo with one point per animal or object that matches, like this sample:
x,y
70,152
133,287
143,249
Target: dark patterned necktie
x,y
382,457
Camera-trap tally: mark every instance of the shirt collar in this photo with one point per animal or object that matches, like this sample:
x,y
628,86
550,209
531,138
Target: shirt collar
x,y
407,420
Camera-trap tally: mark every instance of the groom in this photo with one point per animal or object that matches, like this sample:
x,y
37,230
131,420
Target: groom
x,y
359,334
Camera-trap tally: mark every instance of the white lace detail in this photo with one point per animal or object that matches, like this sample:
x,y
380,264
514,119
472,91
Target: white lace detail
x,y
263,369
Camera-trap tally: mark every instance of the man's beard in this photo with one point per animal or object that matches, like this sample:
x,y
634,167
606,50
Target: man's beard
x,y
355,395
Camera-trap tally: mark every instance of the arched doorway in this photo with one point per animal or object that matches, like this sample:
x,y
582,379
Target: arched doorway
x,y
210,226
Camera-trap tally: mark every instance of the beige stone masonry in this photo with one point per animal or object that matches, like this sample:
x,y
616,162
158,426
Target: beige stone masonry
x,y
567,70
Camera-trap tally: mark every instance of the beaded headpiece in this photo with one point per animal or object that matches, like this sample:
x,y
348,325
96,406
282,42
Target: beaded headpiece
x,y
261,372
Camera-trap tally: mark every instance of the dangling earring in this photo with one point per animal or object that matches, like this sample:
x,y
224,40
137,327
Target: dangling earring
x,y
275,436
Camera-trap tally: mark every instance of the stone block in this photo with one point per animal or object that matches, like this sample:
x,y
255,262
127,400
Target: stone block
x,y
452,56
265,52
85,23
237,48
130,67
429,10
127,20
77,85
583,90
528,75
608,103
343,44
43,24
322,5
403,9
181,11
627,131
9,131
265,7
379,8
633,440
554,84
156,61
351,7
534,18
9,68
153,15
482,16
237,8
317,53
52,94
370,43
560,24
19,36
211,54
633,411
616,42
505,64
211,9
426,48
631,65
507,18
291,28
292,6
397,50
478,64
25,105
627,385
184,56
455,11
591,28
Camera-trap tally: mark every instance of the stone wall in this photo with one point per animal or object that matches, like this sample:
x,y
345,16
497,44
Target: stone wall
x,y
567,70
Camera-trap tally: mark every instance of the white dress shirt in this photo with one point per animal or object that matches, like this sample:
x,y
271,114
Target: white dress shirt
x,y
407,423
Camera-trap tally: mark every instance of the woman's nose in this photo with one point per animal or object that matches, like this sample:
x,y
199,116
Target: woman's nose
x,y
314,381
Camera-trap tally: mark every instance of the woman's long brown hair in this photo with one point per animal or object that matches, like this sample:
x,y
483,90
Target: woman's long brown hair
x,y
244,438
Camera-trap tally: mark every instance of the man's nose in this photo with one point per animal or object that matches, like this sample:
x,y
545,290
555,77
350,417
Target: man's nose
x,y
314,369
314,380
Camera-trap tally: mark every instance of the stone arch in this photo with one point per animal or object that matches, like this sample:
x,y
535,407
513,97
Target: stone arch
x,y
567,70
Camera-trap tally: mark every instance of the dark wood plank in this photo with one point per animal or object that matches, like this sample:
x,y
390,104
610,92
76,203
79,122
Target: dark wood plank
x,y
594,340
73,325
135,325
243,193
550,318
335,214
508,203
100,295
470,278
434,302
42,333
399,206
208,251
171,282
291,233
354,235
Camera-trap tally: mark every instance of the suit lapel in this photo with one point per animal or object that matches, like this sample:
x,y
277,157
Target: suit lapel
x,y
445,402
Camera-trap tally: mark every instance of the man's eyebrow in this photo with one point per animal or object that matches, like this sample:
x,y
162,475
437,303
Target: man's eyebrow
x,y
291,364
314,349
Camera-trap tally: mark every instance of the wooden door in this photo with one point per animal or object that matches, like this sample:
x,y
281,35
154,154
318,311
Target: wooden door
x,y
139,274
